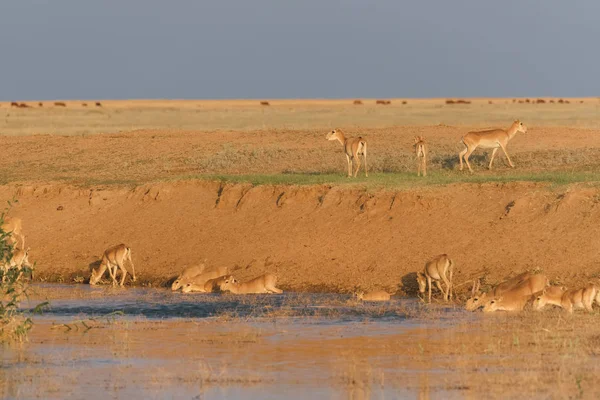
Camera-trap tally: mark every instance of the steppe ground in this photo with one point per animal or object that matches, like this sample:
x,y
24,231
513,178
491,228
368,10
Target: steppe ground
x,y
258,188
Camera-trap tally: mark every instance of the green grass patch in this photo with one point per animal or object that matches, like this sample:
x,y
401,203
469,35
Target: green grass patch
x,y
405,180
396,180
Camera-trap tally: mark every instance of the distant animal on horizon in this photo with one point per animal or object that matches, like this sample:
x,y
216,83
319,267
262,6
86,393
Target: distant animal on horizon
x,y
489,139
353,147
59,104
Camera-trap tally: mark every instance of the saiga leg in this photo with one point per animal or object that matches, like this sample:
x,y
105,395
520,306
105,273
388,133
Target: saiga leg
x,y
461,155
349,166
492,158
469,152
429,285
365,156
506,154
124,271
357,159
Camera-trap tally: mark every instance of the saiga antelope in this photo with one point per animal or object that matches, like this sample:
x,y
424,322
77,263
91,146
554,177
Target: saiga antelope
x,y
353,147
478,298
263,284
489,139
438,269
12,226
196,283
20,259
516,298
421,152
113,259
187,273
377,295
211,285
568,299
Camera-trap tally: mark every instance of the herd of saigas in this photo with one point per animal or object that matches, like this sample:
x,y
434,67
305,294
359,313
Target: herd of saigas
x,y
197,278
490,139
510,295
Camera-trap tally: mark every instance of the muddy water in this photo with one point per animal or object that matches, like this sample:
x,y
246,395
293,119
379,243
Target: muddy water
x,y
85,300
152,343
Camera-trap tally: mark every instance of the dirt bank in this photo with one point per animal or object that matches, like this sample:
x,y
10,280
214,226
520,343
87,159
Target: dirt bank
x,y
315,237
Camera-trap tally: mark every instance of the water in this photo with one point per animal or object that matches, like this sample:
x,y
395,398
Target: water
x,y
95,342
98,301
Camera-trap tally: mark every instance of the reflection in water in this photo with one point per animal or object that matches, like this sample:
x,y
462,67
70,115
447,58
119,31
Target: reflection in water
x,y
424,386
292,346
160,303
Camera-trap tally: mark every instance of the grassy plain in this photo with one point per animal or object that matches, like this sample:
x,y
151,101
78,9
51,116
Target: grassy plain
x,y
152,141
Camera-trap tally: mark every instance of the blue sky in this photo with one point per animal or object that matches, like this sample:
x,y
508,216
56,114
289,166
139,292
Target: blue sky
x,y
72,49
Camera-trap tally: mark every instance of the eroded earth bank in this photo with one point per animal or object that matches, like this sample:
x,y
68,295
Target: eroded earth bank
x,y
315,238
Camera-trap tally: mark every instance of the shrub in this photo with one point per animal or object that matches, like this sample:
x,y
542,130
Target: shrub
x,y
14,323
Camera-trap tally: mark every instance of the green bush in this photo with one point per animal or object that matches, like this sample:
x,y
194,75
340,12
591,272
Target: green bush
x,y
14,322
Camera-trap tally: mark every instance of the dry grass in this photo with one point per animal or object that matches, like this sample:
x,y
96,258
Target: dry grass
x,y
149,156
119,116
289,139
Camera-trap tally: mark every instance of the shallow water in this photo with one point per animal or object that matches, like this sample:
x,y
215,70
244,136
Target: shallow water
x,y
163,303
95,342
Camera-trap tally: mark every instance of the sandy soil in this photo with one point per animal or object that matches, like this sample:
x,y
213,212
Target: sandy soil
x,y
148,188
315,238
